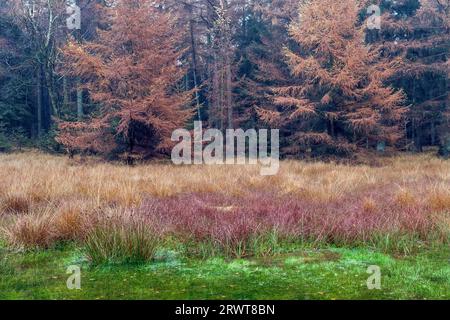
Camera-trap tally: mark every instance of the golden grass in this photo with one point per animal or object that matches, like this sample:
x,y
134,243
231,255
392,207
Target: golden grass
x,y
71,220
32,230
440,200
30,179
369,205
46,198
15,203
405,198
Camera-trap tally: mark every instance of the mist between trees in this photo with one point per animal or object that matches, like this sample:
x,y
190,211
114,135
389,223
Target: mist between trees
x,y
136,71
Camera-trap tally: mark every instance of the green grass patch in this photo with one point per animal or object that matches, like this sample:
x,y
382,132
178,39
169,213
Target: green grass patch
x,y
305,273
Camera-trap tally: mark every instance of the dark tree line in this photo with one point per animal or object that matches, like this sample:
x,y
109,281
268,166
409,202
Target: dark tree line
x,y
330,84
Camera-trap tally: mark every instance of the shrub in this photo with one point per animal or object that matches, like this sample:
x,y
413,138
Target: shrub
x,y
47,141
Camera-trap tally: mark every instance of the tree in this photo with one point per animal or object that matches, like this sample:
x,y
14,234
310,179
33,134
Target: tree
x,y
261,63
419,32
213,25
40,20
131,72
32,27
338,99
16,110
335,87
91,19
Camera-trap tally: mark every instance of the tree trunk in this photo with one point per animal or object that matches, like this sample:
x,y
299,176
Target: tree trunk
x,y
332,128
51,91
222,100
229,98
65,94
39,102
80,112
226,56
194,68
418,140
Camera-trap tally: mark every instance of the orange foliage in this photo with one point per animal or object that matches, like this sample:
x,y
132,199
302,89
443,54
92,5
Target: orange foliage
x,y
338,88
130,72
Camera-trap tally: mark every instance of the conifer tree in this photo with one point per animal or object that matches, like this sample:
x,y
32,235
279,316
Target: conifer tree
x,y
130,72
419,32
338,98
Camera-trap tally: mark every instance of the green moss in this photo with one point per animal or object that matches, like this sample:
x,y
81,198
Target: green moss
x,y
330,273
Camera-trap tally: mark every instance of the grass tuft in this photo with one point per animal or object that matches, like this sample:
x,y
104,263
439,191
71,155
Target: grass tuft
x,y
440,201
15,203
32,231
121,239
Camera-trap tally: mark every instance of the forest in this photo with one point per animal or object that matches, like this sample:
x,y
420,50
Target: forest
x,y
135,162
134,71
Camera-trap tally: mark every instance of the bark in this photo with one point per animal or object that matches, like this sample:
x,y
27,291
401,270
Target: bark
x,y
51,92
80,112
433,133
194,68
226,47
65,94
418,140
39,102
229,98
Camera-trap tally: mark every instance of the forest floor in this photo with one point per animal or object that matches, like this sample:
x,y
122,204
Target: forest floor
x,y
155,231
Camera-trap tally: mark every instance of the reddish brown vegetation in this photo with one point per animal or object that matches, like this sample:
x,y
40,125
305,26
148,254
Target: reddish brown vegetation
x,y
130,71
236,221
338,97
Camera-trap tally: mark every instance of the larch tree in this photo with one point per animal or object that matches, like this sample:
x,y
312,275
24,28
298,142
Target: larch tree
x,y
90,20
130,72
338,99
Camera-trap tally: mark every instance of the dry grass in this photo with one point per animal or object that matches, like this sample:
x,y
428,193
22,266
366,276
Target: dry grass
x,y
15,203
33,230
405,199
440,200
68,192
44,225
39,178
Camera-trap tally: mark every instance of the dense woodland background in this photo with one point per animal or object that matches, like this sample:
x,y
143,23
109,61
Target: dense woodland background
x,y
139,69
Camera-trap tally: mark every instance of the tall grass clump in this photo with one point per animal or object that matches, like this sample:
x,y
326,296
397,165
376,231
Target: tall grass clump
x,y
32,231
72,220
42,227
231,243
121,239
14,203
